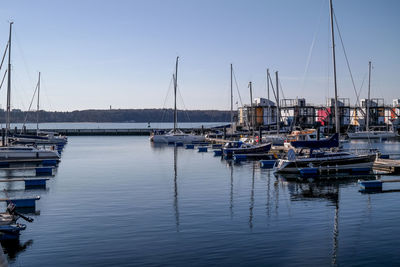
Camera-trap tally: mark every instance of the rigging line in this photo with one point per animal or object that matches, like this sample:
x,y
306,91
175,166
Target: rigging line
x,y
165,99
310,52
30,105
4,55
359,91
280,84
357,103
240,98
44,90
345,55
183,103
23,57
272,86
4,76
18,94
237,87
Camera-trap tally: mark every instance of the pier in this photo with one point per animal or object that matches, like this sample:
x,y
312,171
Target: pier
x,y
387,165
112,132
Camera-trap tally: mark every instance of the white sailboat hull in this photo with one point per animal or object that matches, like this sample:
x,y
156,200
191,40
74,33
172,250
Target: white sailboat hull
x,y
27,153
176,138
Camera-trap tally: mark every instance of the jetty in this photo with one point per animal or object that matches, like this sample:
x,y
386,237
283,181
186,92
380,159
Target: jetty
x,y
115,131
389,166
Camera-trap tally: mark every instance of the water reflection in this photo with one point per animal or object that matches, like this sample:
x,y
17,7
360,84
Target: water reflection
x,y
176,208
320,190
251,207
231,194
14,247
268,204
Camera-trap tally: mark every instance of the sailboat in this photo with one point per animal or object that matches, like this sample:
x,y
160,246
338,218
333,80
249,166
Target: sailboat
x,y
323,160
371,134
176,135
9,151
41,137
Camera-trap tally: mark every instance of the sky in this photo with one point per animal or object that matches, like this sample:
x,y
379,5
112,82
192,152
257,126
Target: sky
x,y
94,54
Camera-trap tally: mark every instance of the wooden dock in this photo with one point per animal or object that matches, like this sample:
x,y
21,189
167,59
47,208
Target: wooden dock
x,y
390,166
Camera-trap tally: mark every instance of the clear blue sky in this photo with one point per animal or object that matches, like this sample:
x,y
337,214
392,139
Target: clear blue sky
x,y
93,54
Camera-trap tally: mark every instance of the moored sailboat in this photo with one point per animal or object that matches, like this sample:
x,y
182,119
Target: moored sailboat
x,y
41,137
9,151
176,135
368,133
324,160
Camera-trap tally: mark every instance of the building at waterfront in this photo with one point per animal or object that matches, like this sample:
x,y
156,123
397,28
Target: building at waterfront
x,y
298,113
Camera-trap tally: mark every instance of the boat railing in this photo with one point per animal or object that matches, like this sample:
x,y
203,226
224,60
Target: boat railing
x,y
362,150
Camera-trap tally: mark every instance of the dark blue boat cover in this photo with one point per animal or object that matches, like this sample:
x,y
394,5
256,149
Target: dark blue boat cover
x,y
333,141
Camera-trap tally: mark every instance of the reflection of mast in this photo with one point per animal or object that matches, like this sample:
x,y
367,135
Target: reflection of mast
x,y
335,230
251,201
176,188
268,194
276,189
335,234
231,200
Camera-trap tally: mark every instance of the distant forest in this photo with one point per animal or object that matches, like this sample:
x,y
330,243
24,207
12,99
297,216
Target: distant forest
x,y
118,115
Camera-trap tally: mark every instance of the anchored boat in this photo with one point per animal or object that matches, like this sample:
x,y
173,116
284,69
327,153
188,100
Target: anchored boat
x,y
319,160
239,147
176,135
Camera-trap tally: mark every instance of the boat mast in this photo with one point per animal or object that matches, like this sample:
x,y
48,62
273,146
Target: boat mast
x,y
175,87
8,86
337,123
369,91
37,112
251,108
277,104
269,106
231,98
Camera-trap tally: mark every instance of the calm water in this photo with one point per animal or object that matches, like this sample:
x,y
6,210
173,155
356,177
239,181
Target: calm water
x,y
119,201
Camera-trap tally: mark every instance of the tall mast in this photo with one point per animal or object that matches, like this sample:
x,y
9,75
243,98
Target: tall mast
x,y
369,91
252,111
175,87
277,104
269,106
9,86
37,112
231,98
337,122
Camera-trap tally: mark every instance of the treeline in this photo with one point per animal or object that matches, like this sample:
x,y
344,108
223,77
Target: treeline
x,y
118,115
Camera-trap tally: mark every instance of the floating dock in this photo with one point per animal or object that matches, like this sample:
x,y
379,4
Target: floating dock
x,y
375,186
390,166
22,202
